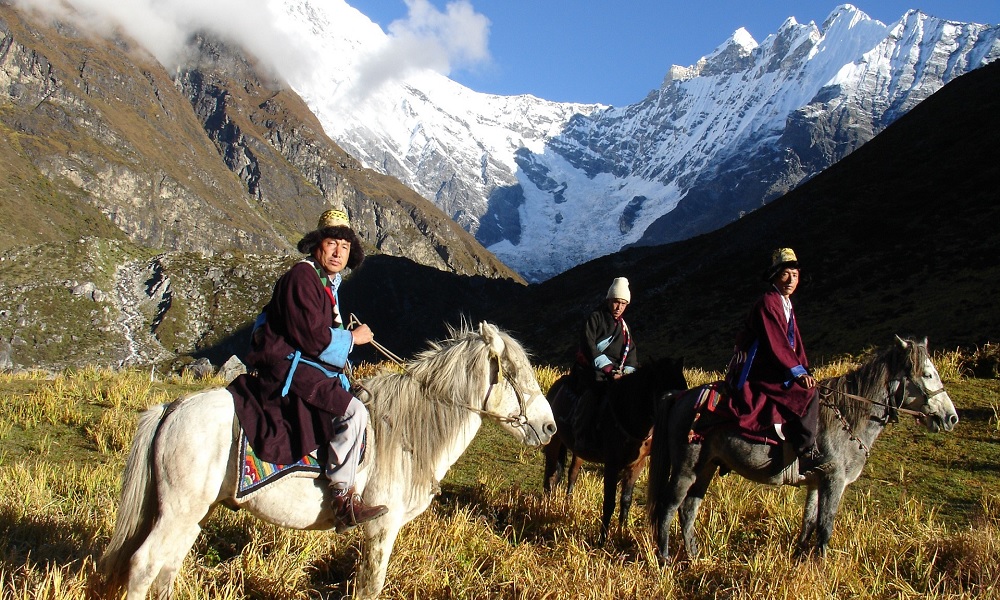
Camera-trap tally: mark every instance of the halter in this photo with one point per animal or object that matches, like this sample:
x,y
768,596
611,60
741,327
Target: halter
x,y
892,410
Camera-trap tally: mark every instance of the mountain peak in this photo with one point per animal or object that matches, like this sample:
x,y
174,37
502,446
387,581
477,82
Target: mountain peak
x,y
743,125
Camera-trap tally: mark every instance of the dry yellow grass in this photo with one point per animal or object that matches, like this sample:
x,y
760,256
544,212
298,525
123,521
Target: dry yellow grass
x,y
487,540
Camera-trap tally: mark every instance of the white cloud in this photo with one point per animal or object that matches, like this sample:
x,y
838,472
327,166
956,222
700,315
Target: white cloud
x,y
162,27
427,38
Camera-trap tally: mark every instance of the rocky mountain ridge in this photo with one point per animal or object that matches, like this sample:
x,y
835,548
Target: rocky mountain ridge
x,y
147,214
717,140
215,156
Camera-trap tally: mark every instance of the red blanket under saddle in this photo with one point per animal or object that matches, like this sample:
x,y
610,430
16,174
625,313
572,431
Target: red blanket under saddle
x,y
714,409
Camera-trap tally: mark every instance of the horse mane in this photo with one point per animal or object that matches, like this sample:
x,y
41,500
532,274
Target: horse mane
x,y
868,380
416,413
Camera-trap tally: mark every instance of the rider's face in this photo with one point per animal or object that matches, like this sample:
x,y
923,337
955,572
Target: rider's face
x,y
617,306
331,255
786,281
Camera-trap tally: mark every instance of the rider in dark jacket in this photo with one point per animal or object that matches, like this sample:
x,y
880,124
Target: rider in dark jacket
x,y
606,351
769,376
297,398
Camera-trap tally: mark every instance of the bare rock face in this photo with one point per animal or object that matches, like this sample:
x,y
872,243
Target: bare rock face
x,y
210,158
6,364
232,368
200,369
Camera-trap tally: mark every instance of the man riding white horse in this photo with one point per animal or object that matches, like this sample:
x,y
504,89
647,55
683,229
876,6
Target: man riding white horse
x,y
296,397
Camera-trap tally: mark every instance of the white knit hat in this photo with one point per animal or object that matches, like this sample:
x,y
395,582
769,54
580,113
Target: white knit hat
x,y
619,289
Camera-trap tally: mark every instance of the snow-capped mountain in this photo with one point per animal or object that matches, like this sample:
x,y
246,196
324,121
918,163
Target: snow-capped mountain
x,y
546,186
452,145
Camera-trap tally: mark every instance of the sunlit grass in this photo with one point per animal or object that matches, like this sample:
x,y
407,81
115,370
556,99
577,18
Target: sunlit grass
x,y
490,538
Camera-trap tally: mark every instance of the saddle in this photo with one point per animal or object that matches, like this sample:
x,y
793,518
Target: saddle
x,y
713,409
255,473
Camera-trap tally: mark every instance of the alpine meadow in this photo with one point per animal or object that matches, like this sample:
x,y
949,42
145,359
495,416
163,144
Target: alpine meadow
x,y
148,210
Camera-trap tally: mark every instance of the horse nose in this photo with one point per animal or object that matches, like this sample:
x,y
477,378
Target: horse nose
x,y
951,421
549,428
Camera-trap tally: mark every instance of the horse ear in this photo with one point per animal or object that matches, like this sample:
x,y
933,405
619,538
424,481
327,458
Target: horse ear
x,y
491,335
902,343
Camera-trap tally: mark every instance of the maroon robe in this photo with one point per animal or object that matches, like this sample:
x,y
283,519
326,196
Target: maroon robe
x,y
768,356
299,317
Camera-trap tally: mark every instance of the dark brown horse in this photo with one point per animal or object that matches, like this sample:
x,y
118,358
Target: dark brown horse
x,y
621,436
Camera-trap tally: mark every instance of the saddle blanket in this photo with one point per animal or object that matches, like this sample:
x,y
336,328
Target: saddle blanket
x,y
256,473
713,409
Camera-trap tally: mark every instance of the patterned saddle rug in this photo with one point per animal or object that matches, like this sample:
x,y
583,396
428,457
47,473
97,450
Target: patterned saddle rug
x,y
256,473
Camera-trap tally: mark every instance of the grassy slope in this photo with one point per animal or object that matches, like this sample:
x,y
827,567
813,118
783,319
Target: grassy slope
x,y
490,534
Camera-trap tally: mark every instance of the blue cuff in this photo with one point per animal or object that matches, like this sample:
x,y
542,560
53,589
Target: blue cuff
x,y
341,342
602,361
798,371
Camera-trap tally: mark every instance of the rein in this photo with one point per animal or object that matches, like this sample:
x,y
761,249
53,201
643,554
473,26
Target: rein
x,y
905,411
891,409
519,420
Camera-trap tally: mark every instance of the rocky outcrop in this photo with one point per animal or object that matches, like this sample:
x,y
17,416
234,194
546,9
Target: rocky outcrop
x,y
147,214
212,158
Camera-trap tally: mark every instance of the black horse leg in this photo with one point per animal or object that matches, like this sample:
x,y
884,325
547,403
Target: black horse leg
x,y
629,476
574,472
555,462
608,508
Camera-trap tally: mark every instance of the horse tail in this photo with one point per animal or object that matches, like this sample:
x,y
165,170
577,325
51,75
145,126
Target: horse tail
x,y
137,506
658,472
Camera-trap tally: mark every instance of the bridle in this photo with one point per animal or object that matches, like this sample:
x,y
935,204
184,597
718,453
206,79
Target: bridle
x,y
519,420
892,409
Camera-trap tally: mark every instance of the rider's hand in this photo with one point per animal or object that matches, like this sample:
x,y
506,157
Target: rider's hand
x,y
362,334
807,381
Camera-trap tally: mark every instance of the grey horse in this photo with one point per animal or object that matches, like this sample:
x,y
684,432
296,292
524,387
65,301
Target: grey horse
x,y
855,408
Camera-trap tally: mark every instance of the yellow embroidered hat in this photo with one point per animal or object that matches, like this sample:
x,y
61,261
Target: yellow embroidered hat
x,y
782,258
335,224
333,218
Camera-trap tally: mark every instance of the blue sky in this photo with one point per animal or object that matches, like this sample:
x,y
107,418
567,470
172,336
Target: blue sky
x,y
616,51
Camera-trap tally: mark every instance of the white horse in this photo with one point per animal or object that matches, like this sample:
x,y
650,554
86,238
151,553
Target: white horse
x,y
182,462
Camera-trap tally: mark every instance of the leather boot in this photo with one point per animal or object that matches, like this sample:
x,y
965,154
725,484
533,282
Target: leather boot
x,y
350,510
813,465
